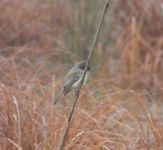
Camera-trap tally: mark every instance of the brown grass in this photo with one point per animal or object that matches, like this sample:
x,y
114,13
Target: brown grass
x,y
120,108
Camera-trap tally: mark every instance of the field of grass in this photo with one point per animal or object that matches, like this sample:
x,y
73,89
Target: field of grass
x,y
121,107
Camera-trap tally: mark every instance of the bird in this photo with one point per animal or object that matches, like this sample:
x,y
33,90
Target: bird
x,y
73,78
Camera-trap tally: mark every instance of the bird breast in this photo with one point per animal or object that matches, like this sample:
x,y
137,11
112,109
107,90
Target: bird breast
x,y
76,84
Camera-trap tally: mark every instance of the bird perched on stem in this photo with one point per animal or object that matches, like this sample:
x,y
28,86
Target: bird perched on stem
x,y
73,78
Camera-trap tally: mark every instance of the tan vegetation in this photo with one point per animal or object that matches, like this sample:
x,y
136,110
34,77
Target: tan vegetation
x,y
120,108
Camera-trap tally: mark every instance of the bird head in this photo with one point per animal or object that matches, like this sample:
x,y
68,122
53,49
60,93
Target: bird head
x,y
82,64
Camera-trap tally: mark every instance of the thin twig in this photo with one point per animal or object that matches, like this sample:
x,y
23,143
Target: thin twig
x,y
18,120
69,120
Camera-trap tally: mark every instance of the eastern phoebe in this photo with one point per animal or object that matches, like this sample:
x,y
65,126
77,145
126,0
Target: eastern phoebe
x,y
73,78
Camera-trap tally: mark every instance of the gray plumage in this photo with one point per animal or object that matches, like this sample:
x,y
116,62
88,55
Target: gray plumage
x,y
73,79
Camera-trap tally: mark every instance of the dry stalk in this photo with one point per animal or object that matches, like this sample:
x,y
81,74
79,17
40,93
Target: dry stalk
x,y
70,115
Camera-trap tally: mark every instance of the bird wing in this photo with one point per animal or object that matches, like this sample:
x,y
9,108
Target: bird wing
x,y
70,79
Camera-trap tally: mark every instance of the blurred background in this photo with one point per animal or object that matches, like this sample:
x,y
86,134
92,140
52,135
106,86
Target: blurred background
x,y
120,108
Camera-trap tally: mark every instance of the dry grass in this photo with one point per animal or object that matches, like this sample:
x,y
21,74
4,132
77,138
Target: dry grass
x,y
120,108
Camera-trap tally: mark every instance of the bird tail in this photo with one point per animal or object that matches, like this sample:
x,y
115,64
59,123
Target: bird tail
x,y
58,96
